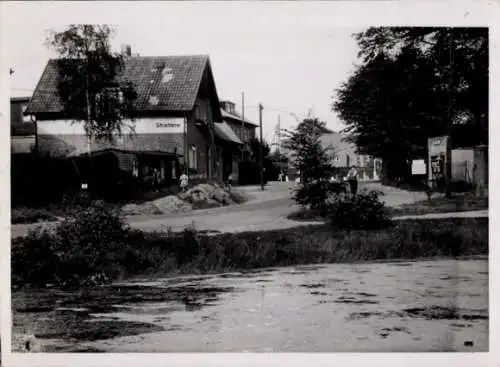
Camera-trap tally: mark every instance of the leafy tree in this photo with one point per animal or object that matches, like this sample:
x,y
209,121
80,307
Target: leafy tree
x,y
387,113
90,83
278,157
311,159
255,146
407,88
459,56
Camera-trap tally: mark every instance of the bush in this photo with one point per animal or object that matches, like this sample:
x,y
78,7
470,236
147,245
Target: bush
x,y
362,211
39,258
311,194
34,258
87,246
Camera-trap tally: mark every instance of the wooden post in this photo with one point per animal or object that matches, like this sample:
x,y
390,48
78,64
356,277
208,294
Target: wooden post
x,y
260,149
447,173
242,124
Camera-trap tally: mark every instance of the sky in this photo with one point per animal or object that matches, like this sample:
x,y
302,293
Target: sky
x,y
291,65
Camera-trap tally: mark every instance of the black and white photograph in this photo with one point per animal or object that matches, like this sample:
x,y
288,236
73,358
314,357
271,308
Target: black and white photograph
x,y
216,177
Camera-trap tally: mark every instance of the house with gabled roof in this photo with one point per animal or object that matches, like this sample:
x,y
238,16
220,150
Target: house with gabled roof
x,y
22,128
174,126
344,155
239,132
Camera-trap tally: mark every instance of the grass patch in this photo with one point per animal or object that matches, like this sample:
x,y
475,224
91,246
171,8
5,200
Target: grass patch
x,y
459,203
24,215
190,251
306,215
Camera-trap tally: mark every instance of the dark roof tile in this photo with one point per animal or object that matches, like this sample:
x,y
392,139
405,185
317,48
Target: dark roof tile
x,y
236,116
173,80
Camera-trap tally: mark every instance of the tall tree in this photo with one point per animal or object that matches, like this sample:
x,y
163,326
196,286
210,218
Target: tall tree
x,y
255,145
90,83
459,56
410,83
311,159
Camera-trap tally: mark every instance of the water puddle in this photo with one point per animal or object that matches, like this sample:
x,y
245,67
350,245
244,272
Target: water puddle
x,y
362,315
316,293
313,286
442,313
427,313
108,312
352,300
263,307
399,264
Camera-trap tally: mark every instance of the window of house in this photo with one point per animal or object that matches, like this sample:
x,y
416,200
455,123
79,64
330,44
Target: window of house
x,y
203,111
193,157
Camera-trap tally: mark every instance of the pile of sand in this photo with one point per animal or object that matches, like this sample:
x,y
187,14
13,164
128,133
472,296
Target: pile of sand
x,y
172,205
209,195
167,205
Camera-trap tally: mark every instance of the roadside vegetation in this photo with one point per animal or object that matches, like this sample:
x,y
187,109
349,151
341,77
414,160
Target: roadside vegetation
x,y
458,203
95,246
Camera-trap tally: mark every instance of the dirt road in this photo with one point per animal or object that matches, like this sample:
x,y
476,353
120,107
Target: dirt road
x,y
265,210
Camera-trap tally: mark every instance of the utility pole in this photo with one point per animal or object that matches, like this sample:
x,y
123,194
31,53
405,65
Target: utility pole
x,y
260,149
449,122
278,135
242,124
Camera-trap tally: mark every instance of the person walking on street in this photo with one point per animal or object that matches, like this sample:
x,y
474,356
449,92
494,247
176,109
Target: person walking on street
x,y
352,178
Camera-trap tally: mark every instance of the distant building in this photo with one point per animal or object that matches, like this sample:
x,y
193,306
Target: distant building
x,y
239,133
244,129
176,124
22,127
344,155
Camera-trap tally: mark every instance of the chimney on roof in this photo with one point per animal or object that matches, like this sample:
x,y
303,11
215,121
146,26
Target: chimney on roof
x,y
228,106
126,50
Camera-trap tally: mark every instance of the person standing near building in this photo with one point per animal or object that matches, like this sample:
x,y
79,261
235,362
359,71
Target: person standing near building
x,y
183,182
352,178
156,180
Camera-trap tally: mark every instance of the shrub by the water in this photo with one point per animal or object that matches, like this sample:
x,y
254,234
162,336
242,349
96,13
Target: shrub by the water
x,y
87,245
362,211
83,252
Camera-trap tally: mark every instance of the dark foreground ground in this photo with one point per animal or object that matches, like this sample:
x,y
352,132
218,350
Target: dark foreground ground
x,y
421,306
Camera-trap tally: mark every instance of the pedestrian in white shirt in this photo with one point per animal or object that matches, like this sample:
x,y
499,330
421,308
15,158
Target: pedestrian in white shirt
x,y
352,178
184,182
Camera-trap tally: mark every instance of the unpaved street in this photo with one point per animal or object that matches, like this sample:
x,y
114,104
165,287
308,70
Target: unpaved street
x,y
266,210
424,306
